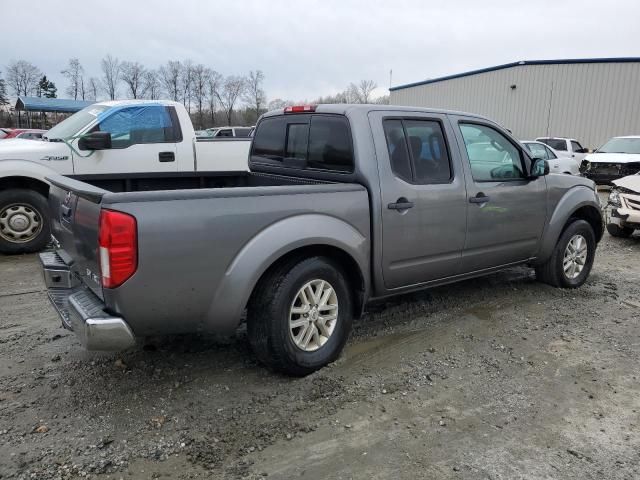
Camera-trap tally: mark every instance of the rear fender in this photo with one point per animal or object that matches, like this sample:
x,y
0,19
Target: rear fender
x,y
573,201
270,245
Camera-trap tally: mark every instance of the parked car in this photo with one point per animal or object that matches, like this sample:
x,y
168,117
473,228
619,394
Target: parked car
x,y
622,212
617,158
557,163
149,143
31,134
565,147
241,132
342,204
24,133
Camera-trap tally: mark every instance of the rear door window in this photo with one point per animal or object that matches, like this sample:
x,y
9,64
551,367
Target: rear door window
x,y
417,150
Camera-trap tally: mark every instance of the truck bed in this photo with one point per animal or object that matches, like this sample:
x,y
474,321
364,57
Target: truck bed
x,y
189,240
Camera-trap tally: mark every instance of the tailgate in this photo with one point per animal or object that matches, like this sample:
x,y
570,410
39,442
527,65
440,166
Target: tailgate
x,y
75,220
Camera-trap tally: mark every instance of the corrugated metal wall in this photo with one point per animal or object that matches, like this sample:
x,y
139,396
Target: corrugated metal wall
x,y
591,101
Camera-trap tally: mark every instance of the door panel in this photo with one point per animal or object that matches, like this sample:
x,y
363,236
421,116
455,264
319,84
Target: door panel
x,y
423,224
506,226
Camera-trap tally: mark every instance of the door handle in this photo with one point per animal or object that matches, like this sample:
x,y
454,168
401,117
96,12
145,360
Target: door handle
x,y
400,204
479,198
167,157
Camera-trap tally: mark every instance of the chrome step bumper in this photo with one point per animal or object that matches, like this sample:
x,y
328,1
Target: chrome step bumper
x,y
81,310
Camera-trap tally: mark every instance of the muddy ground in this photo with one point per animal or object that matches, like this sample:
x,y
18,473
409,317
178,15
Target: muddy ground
x,y
496,378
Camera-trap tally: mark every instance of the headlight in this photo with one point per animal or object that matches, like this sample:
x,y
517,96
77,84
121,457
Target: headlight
x,y
614,197
585,166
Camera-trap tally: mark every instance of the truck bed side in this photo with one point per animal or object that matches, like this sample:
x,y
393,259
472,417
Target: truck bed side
x,y
200,252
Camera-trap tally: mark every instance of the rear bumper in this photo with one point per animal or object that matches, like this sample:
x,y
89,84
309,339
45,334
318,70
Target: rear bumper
x,y
81,310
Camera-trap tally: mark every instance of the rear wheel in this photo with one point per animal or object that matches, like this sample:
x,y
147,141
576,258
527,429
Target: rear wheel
x,y
300,315
572,257
24,221
618,231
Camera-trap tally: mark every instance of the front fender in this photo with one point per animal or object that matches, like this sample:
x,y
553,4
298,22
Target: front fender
x,y
25,168
574,199
271,244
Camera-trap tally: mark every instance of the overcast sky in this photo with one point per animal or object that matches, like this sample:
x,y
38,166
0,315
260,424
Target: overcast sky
x,y
311,48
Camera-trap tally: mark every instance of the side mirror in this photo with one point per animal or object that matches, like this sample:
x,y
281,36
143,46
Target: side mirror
x,y
582,150
95,141
539,168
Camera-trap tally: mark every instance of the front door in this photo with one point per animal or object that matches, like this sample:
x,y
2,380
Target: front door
x,y
143,140
507,210
423,196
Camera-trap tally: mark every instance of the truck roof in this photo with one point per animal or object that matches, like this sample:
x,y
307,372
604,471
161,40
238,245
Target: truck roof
x,y
346,108
117,103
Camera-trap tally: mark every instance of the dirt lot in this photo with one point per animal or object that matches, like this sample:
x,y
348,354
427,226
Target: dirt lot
x,y
498,378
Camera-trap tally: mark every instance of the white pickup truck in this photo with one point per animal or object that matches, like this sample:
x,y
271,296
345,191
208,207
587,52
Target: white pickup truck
x,y
149,144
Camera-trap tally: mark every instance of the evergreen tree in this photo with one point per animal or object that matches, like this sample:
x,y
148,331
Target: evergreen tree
x,y
4,99
46,88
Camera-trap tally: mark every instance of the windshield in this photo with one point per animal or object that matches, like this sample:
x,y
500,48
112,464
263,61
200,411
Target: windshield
x,y
75,123
621,145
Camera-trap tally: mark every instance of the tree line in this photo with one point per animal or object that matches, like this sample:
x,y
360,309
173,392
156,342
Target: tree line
x,y
209,96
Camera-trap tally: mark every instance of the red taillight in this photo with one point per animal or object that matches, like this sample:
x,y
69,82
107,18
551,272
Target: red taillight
x,y
300,109
118,247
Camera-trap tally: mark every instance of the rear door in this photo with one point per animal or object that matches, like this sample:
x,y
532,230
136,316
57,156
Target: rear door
x,y
143,140
423,197
507,210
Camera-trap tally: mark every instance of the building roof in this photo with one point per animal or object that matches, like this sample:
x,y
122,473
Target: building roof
x,y
41,104
517,64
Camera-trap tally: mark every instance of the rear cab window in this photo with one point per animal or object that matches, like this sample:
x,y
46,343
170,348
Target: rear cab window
x,y
556,143
311,142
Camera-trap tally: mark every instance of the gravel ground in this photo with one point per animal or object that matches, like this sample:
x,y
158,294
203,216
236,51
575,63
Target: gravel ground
x,y
497,378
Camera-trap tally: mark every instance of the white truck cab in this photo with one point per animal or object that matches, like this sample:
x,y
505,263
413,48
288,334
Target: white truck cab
x,y
115,141
565,147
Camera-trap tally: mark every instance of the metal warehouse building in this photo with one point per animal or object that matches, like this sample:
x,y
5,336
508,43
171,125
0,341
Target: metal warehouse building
x,y
587,99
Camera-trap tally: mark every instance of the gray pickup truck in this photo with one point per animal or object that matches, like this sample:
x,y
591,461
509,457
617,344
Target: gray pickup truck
x,y
342,204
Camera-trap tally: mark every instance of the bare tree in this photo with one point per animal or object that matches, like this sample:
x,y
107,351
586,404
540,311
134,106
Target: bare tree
x,y
254,94
23,77
111,67
170,78
278,103
200,83
93,86
186,80
361,93
214,85
233,87
152,87
74,74
132,74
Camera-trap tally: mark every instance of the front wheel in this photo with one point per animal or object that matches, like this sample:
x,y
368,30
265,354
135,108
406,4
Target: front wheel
x,y
24,221
300,316
618,231
572,257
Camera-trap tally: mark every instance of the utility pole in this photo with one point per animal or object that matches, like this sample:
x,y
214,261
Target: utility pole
x,y
390,77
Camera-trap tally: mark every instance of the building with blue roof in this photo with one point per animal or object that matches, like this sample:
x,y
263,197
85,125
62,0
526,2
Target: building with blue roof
x,y
589,99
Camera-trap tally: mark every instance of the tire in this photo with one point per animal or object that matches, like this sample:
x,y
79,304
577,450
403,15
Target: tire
x,y
25,225
271,306
618,231
553,273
